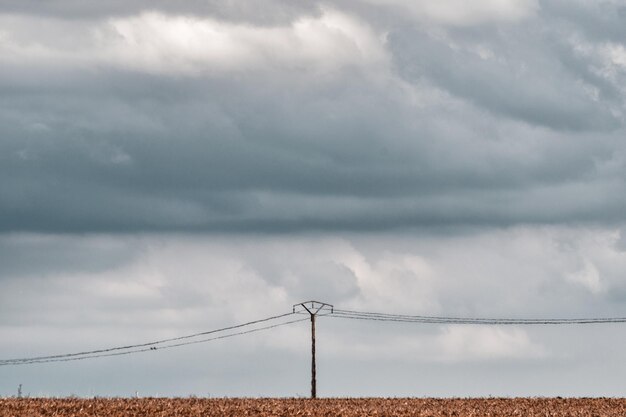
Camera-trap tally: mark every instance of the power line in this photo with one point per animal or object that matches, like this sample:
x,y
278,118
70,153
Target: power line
x,y
51,358
334,313
149,349
362,315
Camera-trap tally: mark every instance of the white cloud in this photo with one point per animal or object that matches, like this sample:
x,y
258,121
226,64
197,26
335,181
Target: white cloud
x,y
156,42
605,59
617,54
462,343
403,281
416,343
489,274
588,277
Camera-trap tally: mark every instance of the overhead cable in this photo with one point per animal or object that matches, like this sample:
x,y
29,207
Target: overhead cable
x,y
362,315
140,345
153,348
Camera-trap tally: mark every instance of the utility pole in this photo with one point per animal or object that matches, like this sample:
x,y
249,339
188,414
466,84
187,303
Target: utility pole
x,y
313,307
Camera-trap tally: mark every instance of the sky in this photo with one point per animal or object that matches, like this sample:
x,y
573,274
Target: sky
x,y
174,167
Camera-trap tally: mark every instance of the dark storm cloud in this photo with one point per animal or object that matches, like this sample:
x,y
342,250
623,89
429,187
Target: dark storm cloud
x,y
493,124
38,255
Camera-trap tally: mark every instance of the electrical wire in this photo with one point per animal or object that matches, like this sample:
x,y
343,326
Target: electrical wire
x,y
362,315
336,313
140,345
153,348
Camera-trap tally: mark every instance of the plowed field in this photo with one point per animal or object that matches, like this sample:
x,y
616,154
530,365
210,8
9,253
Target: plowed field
x,y
321,407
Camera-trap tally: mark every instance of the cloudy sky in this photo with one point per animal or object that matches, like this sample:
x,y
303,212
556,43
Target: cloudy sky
x,y
173,167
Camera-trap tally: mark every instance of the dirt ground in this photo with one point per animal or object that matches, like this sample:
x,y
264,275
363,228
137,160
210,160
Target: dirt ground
x,y
305,407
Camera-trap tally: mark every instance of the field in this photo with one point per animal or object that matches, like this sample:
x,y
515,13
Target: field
x,y
304,407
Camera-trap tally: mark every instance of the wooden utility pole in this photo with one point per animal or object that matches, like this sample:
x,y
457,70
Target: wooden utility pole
x,y
313,376
313,307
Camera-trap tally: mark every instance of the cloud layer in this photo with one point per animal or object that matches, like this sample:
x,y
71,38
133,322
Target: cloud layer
x,y
328,118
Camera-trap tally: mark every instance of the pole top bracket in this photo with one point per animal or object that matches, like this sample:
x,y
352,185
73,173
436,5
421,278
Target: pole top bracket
x,y
313,307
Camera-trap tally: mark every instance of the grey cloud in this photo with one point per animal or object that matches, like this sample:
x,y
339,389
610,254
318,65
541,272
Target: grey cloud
x,y
40,255
264,12
303,277
599,21
152,163
443,138
523,79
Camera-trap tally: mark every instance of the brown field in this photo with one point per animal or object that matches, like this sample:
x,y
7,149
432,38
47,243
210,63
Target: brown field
x,y
304,407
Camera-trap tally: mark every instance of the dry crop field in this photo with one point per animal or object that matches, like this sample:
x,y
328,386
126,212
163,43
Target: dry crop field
x,y
304,407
